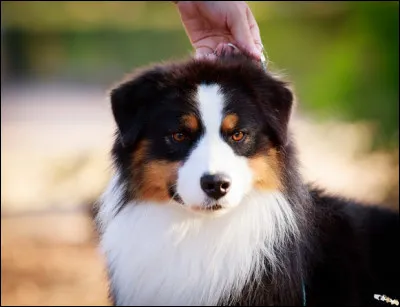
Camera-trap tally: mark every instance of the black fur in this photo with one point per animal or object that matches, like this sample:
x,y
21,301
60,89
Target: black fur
x,y
347,251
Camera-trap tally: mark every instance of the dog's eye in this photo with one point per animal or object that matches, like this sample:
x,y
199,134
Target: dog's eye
x,y
238,136
179,137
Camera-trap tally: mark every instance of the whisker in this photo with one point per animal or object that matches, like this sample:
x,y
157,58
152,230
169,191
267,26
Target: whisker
x,y
172,199
174,195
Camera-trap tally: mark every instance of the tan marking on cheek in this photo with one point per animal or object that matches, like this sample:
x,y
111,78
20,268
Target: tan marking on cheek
x,y
138,160
155,178
191,122
151,179
266,171
229,123
140,153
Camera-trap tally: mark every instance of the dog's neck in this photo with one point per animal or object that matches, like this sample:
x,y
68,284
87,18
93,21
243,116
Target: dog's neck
x,y
161,254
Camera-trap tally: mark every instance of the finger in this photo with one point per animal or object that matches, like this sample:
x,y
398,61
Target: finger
x,y
187,10
241,33
254,29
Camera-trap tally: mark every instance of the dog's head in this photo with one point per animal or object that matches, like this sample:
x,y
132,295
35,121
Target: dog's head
x,y
202,134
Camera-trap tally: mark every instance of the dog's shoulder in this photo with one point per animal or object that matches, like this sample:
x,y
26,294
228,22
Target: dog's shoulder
x,y
368,218
357,243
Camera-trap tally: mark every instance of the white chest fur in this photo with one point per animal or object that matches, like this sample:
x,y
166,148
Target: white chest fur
x,y
161,254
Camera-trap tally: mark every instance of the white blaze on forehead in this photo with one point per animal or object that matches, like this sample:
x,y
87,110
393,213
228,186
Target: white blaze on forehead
x,y
211,105
212,154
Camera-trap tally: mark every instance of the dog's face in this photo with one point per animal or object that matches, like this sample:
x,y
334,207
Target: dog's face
x,y
201,134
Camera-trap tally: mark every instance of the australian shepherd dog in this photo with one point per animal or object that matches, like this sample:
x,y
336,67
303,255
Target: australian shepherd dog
x,y
206,205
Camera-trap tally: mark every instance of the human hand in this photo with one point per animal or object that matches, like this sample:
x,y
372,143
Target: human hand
x,y
211,25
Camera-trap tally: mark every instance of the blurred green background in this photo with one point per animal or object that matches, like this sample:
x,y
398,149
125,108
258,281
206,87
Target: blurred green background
x,y
58,59
341,56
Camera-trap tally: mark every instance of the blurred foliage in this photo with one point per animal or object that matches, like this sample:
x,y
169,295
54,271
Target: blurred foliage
x,y
55,16
342,57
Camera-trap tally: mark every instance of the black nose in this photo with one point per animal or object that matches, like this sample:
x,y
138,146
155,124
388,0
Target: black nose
x,y
215,186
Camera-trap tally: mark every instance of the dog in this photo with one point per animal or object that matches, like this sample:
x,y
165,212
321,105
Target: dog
x,y
207,206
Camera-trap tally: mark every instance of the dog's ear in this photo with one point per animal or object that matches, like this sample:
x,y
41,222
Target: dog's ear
x,y
131,102
277,101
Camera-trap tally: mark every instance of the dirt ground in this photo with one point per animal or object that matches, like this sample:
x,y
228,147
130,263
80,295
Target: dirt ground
x,y
42,264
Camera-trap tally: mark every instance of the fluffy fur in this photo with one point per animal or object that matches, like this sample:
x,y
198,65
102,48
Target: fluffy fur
x,y
261,241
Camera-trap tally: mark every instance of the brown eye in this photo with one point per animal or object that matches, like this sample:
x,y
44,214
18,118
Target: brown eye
x,y
178,137
238,136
